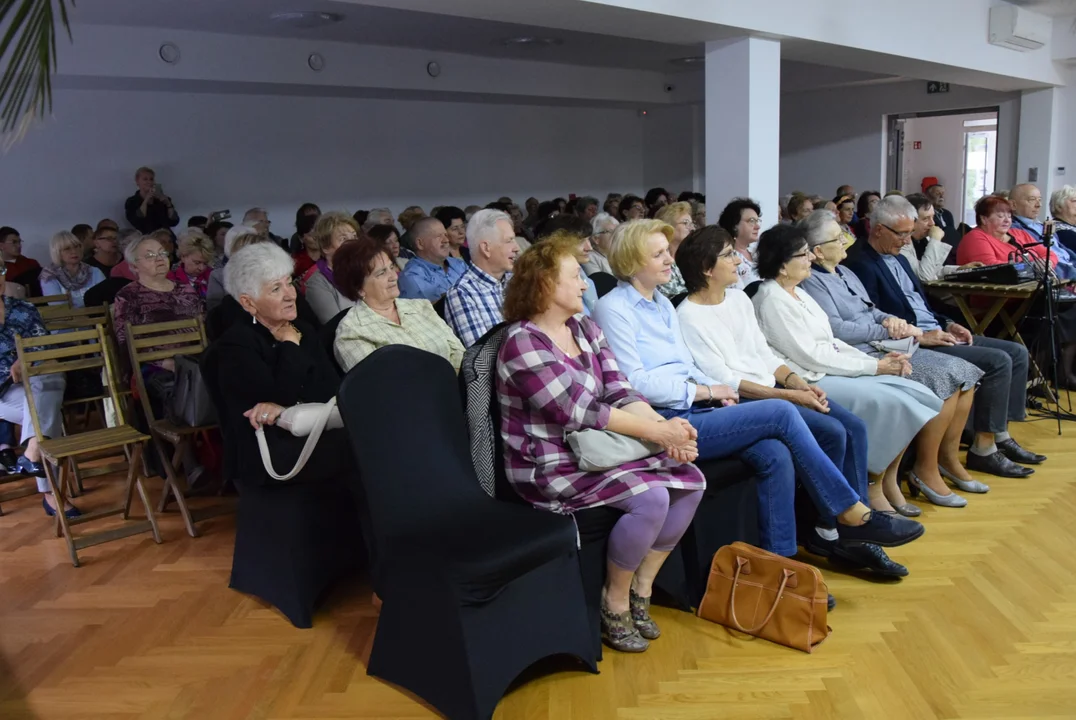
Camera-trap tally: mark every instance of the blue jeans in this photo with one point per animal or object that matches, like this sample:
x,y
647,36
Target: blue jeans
x,y
772,438
843,438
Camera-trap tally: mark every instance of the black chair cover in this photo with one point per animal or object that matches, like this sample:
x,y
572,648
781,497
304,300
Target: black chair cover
x,y
603,282
474,590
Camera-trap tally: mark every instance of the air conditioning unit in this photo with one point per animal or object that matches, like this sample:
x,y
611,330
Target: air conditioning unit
x,y
1018,29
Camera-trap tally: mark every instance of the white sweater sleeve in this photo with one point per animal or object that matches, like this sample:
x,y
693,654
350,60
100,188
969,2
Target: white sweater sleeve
x,y
798,335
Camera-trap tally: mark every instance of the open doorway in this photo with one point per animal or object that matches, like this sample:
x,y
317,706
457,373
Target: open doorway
x,y
957,147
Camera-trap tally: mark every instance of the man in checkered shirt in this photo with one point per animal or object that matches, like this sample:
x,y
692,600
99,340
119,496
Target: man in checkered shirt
x,y
473,304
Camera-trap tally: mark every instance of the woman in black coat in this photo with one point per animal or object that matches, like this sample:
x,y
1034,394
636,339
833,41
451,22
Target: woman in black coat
x,y
270,363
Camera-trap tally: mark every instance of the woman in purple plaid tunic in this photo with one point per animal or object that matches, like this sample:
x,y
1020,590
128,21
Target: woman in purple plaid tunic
x,y
556,374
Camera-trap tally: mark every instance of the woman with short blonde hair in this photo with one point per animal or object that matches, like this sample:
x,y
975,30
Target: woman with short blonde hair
x,y
68,273
196,253
318,285
630,251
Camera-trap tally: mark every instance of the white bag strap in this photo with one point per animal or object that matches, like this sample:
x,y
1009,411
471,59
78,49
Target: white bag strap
x,y
308,449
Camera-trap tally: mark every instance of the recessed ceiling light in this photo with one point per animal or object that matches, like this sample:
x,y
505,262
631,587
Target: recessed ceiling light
x,y
306,19
692,60
532,41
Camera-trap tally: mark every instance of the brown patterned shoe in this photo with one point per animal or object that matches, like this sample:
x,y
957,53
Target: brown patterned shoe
x,y
619,632
640,615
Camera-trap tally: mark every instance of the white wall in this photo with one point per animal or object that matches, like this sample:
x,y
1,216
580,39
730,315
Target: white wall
x,y
941,153
832,137
668,147
224,151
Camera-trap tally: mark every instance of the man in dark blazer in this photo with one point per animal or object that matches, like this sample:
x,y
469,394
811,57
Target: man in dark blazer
x,y
944,219
1002,394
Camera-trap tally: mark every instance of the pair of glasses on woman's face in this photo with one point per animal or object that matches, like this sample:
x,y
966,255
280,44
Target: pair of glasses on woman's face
x,y
151,256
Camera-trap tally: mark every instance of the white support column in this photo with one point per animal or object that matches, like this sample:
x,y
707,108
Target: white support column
x,y
743,123
1040,141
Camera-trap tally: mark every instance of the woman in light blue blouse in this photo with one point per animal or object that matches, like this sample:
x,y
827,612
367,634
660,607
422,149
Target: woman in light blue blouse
x,y
641,327
68,274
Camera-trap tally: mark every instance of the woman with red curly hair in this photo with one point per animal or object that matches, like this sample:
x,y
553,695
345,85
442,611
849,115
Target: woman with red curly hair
x,y
556,375
994,240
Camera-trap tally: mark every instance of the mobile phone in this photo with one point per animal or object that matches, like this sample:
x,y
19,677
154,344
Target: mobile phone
x,y
220,215
157,189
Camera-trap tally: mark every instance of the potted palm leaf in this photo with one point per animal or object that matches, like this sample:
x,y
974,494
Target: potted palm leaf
x,y
29,48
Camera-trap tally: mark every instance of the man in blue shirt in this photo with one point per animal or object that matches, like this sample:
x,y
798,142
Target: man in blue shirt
x,y
473,305
431,272
1026,200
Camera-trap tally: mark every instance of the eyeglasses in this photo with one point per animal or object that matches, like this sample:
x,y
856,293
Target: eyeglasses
x,y
727,255
901,235
800,255
753,221
689,224
162,255
603,232
840,238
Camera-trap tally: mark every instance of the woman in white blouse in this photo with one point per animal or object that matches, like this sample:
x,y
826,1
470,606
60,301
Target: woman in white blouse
x,y
895,408
717,322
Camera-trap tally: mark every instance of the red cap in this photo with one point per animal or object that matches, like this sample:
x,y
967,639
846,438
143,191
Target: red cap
x,y
928,181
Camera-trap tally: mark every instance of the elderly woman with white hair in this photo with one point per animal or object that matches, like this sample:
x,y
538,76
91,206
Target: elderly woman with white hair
x,y
152,298
601,240
68,273
269,363
1063,211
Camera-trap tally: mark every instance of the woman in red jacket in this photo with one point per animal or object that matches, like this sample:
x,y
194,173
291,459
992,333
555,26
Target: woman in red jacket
x,y
994,240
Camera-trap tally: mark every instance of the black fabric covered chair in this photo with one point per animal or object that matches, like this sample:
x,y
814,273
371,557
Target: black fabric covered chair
x,y
752,288
677,299
105,292
327,334
293,541
603,282
474,591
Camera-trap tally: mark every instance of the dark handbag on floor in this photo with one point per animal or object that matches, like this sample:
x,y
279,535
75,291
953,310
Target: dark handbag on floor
x,y
190,404
766,595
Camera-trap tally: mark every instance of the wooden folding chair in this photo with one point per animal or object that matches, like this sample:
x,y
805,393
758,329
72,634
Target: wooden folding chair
x,y
81,350
162,341
58,318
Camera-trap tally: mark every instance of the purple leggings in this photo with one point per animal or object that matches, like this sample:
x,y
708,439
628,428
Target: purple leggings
x,y
653,520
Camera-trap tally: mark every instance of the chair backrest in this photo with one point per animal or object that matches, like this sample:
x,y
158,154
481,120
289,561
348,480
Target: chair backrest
x,y
401,407
327,335
677,299
478,387
161,341
752,288
62,353
603,282
58,318
62,300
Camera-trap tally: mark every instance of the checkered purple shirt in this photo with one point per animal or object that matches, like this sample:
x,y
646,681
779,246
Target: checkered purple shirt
x,y
545,394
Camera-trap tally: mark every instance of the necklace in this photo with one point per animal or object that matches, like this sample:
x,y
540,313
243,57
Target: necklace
x,y
566,352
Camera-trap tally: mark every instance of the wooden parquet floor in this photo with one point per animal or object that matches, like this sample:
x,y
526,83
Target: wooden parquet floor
x,y
985,627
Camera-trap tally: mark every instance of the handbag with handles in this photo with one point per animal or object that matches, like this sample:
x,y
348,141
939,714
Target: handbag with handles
x,y
308,420
599,450
766,595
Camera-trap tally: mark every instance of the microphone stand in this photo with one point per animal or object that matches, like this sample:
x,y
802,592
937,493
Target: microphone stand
x,y
1046,290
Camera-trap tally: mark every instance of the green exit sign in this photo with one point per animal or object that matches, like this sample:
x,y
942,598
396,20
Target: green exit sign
x,y
934,87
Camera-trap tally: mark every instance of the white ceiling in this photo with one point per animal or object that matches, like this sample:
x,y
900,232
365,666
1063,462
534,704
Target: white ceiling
x,y
371,25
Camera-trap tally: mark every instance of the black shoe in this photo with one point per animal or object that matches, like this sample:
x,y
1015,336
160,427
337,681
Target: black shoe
x,y
866,556
8,461
1012,450
996,464
27,467
831,602
882,529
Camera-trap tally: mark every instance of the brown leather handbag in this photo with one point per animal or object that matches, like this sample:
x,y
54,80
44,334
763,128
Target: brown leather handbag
x,y
766,595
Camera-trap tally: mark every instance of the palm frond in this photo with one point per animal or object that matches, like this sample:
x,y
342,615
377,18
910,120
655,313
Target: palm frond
x,y
29,46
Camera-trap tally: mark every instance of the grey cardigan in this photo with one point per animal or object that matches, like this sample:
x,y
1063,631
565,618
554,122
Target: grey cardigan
x,y
325,299
852,315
